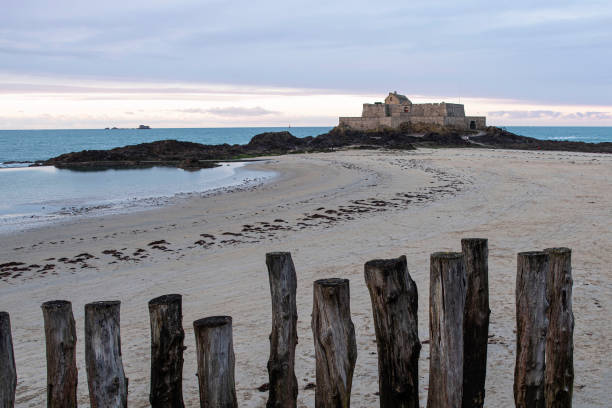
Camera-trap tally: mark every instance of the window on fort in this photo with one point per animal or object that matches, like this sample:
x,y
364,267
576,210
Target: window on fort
x,y
472,124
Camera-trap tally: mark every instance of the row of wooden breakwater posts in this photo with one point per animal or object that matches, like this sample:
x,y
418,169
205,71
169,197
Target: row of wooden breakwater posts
x,y
458,317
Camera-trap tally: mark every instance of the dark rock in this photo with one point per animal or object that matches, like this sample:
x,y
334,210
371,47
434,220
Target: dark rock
x,y
160,242
501,138
16,162
276,142
343,137
160,153
445,139
195,164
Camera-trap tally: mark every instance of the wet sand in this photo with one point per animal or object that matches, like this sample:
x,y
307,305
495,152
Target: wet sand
x,y
333,211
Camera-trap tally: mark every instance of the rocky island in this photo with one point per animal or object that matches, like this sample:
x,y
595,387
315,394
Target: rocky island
x,y
189,155
395,124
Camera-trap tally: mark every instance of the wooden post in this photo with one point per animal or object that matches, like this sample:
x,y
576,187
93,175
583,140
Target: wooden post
x,y
334,340
283,339
394,306
215,354
8,374
61,339
475,321
531,326
446,305
108,386
167,338
559,375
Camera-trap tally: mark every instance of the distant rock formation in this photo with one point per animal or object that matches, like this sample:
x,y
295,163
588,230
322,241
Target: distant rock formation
x,y
139,127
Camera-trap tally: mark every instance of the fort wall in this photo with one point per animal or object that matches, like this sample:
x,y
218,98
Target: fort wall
x,y
398,109
428,109
480,122
375,110
371,123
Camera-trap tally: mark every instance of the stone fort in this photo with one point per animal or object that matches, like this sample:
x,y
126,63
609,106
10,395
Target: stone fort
x,y
397,110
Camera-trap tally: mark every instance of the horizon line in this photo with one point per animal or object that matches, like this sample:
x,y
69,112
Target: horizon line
x,y
281,127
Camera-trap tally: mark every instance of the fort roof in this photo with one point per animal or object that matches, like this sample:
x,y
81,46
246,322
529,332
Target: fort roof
x,y
395,98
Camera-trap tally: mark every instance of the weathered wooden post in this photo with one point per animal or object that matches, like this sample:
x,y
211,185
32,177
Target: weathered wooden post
x,y
215,356
394,305
531,326
334,340
283,339
559,375
61,339
108,386
446,306
475,321
8,374
167,338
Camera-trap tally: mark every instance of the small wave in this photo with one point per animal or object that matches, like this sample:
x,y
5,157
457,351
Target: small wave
x,y
563,138
14,164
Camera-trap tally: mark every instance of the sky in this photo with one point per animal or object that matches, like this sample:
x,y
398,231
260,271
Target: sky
x,y
204,63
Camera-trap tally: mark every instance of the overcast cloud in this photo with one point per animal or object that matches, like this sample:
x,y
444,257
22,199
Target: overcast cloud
x,y
230,111
557,51
547,114
542,52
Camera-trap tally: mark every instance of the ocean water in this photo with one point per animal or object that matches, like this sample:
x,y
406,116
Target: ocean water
x,y
34,196
590,134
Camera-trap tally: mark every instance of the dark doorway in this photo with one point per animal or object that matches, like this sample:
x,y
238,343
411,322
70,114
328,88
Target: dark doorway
x,y
472,124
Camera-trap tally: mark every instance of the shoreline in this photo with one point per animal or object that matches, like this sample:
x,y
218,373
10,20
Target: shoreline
x,y
18,223
334,212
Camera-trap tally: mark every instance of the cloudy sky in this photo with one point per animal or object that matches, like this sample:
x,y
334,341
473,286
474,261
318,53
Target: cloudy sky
x,y
185,63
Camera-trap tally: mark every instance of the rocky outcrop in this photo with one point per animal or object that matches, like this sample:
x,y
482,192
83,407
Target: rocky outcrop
x,y
341,136
281,142
425,135
162,153
190,155
501,138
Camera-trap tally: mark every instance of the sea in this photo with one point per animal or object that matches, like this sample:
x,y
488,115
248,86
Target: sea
x,y
32,196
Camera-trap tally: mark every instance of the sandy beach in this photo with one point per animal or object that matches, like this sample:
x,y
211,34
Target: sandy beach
x,y
333,212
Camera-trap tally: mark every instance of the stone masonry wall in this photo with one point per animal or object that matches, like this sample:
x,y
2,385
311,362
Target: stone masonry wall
x,y
456,122
435,120
480,122
400,110
455,110
366,123
378,115
429,109
375,110
395,121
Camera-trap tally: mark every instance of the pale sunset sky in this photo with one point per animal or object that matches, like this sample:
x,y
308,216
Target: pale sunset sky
x,y
204,63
